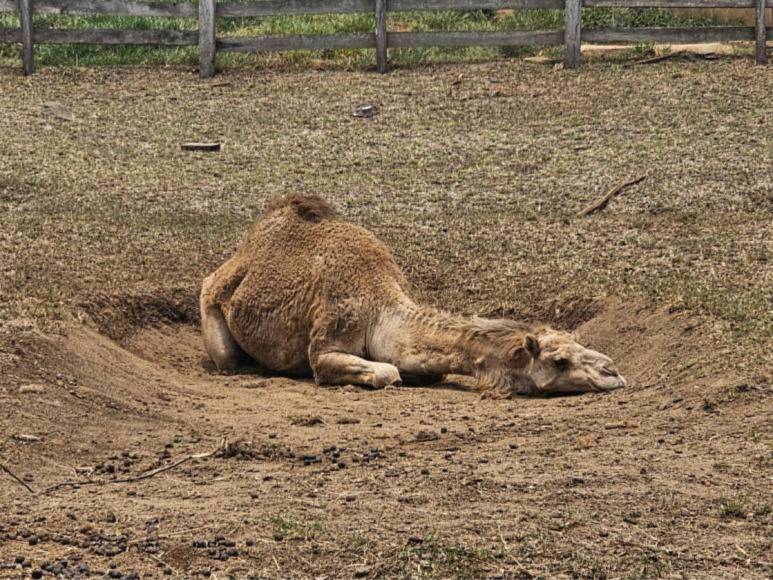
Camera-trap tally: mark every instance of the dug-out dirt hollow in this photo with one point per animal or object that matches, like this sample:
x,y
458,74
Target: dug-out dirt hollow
x,y
668,476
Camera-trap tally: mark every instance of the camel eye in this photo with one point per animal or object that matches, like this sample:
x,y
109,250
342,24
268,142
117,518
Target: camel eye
x,y
561,363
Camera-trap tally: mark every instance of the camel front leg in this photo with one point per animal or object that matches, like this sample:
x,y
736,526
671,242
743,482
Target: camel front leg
x,y
338,368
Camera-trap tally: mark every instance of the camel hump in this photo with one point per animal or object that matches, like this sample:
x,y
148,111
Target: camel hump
x,y
310,208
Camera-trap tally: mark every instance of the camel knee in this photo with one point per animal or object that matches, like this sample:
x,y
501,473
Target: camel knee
x,y
336,368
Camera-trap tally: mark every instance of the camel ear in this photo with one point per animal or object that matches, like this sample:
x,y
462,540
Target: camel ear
x,y
531,344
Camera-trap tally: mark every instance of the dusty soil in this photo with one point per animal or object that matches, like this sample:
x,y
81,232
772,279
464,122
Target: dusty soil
x,y
473,175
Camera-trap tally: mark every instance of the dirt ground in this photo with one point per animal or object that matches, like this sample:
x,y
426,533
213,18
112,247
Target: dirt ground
x,y
473,174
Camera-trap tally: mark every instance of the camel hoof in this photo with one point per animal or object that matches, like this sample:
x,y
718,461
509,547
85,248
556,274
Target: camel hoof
x,y
394,386
386,376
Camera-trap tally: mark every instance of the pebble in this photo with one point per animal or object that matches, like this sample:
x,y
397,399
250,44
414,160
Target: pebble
x,y
361,572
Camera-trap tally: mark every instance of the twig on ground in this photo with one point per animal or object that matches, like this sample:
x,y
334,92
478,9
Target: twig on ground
x,y
18,479
654,59
691,56
602,202
160,561
146,475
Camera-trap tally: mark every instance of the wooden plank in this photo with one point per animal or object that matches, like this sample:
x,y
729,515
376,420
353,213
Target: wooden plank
x,y
671,3
423,5
27,49
672,35
132,37
109,8
209,147
207,41
572,33
473,38
761,49
381,35
10,35
296,42
395,40
286,7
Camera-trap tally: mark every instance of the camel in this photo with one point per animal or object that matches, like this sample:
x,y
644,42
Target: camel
x,y
307,293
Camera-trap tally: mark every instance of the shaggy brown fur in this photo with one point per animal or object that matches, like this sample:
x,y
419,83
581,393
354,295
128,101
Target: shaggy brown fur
x,y
306,292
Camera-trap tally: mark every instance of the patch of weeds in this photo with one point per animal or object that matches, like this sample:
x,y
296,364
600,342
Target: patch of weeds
x,y
667,500
762,510
434,557
582,565
730,393
731,508
287,527
643,50
358,543
650,566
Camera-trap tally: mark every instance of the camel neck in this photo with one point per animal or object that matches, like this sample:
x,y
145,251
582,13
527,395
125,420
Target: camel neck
x,y
427,341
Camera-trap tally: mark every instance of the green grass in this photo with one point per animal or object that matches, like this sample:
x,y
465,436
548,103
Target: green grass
x,y
732,508
434,557
91,55
287,526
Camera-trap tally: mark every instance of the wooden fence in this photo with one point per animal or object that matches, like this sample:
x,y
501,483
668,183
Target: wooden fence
x,y
207,12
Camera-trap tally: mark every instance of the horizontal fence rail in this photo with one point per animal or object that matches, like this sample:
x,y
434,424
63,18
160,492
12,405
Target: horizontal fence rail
x,y
381,39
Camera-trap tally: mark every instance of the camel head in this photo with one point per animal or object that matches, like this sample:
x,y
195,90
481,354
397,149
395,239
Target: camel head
x,y
559,364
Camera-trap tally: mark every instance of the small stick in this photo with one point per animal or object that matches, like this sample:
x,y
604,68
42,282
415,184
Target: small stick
x,y
160,561
146,475
200,146
12,474
654,59
602,202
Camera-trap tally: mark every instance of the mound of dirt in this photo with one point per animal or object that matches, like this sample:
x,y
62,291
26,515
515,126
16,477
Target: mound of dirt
x,y
380,483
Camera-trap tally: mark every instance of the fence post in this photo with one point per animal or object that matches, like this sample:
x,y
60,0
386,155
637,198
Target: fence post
x,y
206,38
27,50
761,33
381,35
572,26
